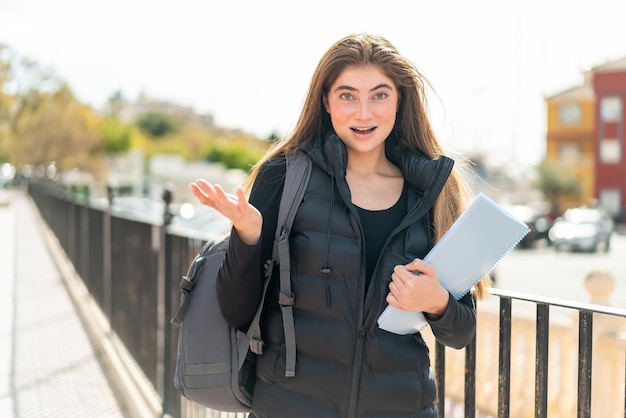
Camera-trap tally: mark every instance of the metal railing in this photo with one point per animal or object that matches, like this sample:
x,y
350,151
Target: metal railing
x,y
587,341
132,270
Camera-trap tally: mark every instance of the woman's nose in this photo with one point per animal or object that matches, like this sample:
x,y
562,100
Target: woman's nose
x,y
364,110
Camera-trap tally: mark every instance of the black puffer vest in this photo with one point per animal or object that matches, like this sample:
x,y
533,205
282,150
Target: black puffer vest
x,y
346,366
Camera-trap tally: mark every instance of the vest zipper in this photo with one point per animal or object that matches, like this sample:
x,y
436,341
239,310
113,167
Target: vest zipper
x,y
356,373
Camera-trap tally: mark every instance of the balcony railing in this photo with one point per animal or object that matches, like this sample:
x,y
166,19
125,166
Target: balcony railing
x,y
517,366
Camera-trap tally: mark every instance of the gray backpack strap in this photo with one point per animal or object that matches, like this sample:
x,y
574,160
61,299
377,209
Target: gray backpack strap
x,y
298,172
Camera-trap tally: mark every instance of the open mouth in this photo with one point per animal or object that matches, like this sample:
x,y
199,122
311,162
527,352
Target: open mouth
x,y
364,130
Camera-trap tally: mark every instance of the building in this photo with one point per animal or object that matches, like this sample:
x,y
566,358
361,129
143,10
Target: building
x,y
129,112
570,144
585,137
609,85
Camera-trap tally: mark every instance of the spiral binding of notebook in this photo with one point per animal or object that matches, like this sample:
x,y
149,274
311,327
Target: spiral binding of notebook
x,y
467,252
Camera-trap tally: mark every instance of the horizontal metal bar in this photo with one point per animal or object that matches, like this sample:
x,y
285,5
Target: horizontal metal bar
x,y
580,306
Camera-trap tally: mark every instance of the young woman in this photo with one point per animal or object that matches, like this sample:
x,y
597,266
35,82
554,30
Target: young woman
x,y
381,194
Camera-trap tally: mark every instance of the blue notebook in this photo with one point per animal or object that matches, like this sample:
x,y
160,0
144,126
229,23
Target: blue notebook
x,y
468,251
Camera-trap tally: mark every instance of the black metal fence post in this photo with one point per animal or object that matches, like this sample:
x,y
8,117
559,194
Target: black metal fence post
x,y
585,344
106,257
167,196
440,376
504,363
470,379
541,372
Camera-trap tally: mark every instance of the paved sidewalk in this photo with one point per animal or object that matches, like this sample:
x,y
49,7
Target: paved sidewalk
x,y
48,366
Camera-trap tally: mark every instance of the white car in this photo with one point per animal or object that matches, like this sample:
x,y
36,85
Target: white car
x,y
583,229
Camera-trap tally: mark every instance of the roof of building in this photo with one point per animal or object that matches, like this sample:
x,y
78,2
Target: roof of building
x,y
611,66
573,93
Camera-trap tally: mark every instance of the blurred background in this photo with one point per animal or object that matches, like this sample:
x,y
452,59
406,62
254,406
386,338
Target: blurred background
x,y
130,96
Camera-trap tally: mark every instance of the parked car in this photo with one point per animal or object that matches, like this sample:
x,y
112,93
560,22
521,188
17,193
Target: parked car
x,y
538,222
584,229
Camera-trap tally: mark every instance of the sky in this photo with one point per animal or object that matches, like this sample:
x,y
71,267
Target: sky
x,y
491,62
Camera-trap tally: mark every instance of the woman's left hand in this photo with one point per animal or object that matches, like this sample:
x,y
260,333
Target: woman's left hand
x,y
415,287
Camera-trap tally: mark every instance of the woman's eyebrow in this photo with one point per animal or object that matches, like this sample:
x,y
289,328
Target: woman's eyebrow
x,y
382,86
350,88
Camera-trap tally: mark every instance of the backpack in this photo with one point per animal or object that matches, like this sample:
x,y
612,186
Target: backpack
x,y
216,364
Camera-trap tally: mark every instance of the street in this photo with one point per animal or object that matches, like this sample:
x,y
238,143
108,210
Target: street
x,y
543,271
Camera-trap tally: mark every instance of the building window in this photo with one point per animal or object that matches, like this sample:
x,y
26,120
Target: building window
x,y
569,152
611,201
570,114
611,109
610,151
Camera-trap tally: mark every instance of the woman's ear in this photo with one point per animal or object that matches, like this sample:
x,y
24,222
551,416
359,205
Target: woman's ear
x,y
325,101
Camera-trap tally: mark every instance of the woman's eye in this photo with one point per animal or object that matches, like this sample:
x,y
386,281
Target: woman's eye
x,y
381,95
346,96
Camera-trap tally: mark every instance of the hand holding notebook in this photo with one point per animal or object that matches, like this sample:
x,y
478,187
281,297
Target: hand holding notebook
x,y
468,251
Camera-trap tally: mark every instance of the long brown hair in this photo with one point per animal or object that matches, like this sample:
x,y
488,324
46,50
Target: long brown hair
x,y
412,128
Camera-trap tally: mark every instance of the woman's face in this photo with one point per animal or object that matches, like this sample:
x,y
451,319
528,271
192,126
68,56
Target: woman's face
x,y
362,104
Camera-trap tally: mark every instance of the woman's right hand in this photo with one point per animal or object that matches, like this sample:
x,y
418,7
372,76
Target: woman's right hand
x,y
246,219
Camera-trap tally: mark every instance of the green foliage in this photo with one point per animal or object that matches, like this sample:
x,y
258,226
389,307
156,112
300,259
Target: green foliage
x,y
116,136
171,144
5,143
157,124
41,121
555,183
234,155
273,137
552,181
115,103
57,128
5,72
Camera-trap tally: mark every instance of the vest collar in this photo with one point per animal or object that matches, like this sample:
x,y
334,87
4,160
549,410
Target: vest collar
x,y
418,170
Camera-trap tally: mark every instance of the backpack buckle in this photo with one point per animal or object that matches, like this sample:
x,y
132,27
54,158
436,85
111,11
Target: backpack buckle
x,y
186,284
256,346
286,299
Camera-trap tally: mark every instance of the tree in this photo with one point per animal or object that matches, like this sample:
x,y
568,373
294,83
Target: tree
x,y
116,136
157,124
41,122
273,137
234,155
5,103
555,183
58,129
115,104
5,72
